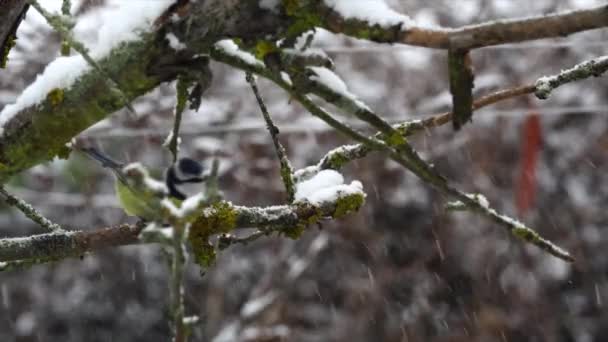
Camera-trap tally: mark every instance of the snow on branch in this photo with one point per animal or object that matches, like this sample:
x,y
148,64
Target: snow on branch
x,y
64,71
373,20
70,96
375,12
392,141
218,218
594,67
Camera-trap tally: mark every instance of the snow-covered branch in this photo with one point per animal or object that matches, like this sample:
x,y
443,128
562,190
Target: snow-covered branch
x,y
594,67
222,217
373,20
70,95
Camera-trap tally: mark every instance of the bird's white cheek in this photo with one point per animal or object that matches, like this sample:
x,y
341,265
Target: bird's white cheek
x,y
190,189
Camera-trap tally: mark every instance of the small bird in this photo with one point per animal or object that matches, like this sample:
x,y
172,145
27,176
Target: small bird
x,y
138,193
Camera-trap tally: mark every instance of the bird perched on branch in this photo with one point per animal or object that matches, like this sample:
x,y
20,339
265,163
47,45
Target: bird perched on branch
x,y
138,193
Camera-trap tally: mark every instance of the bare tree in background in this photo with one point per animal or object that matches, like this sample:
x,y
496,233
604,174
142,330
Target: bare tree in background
x,y
271,40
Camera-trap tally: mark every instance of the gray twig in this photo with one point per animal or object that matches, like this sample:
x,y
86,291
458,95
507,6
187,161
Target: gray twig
x,y
19,265
173,140
226,240
286,168
65,10
176,287
30,212
593,67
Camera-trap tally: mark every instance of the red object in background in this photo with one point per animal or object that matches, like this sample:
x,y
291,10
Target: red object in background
x,y
531,146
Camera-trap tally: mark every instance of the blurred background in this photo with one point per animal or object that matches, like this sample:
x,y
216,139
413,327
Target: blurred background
x,y
402,269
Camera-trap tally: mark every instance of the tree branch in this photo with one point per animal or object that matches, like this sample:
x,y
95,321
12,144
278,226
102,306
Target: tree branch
x,y
397,149
30,212
37,132
11,15
67,244
286,169
467,37
593,67
284,218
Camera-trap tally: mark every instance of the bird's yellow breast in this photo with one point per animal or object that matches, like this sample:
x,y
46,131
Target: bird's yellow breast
x,y
145,206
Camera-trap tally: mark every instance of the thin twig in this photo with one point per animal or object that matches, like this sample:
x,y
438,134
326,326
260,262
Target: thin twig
x,y
212,190
340,156
594,67
286,168
486,100
173,140
65,10
31,212
20,265
176,285
226,240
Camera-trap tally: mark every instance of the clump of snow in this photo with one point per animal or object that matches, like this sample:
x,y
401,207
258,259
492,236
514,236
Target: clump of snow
x,y
120,21
230,47
124,21
173,210
322,180
286,78
331,194
174,42
375,12
481,199
329,79
192,203
153,229
167,141
188,207
326,186
543,87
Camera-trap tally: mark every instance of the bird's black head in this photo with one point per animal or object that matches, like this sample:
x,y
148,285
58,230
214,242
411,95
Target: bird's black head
x,y
185,170
188,169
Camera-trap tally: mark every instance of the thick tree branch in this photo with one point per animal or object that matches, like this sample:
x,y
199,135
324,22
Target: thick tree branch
x,y
39,132
467,37
285,219
11,14
67,244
